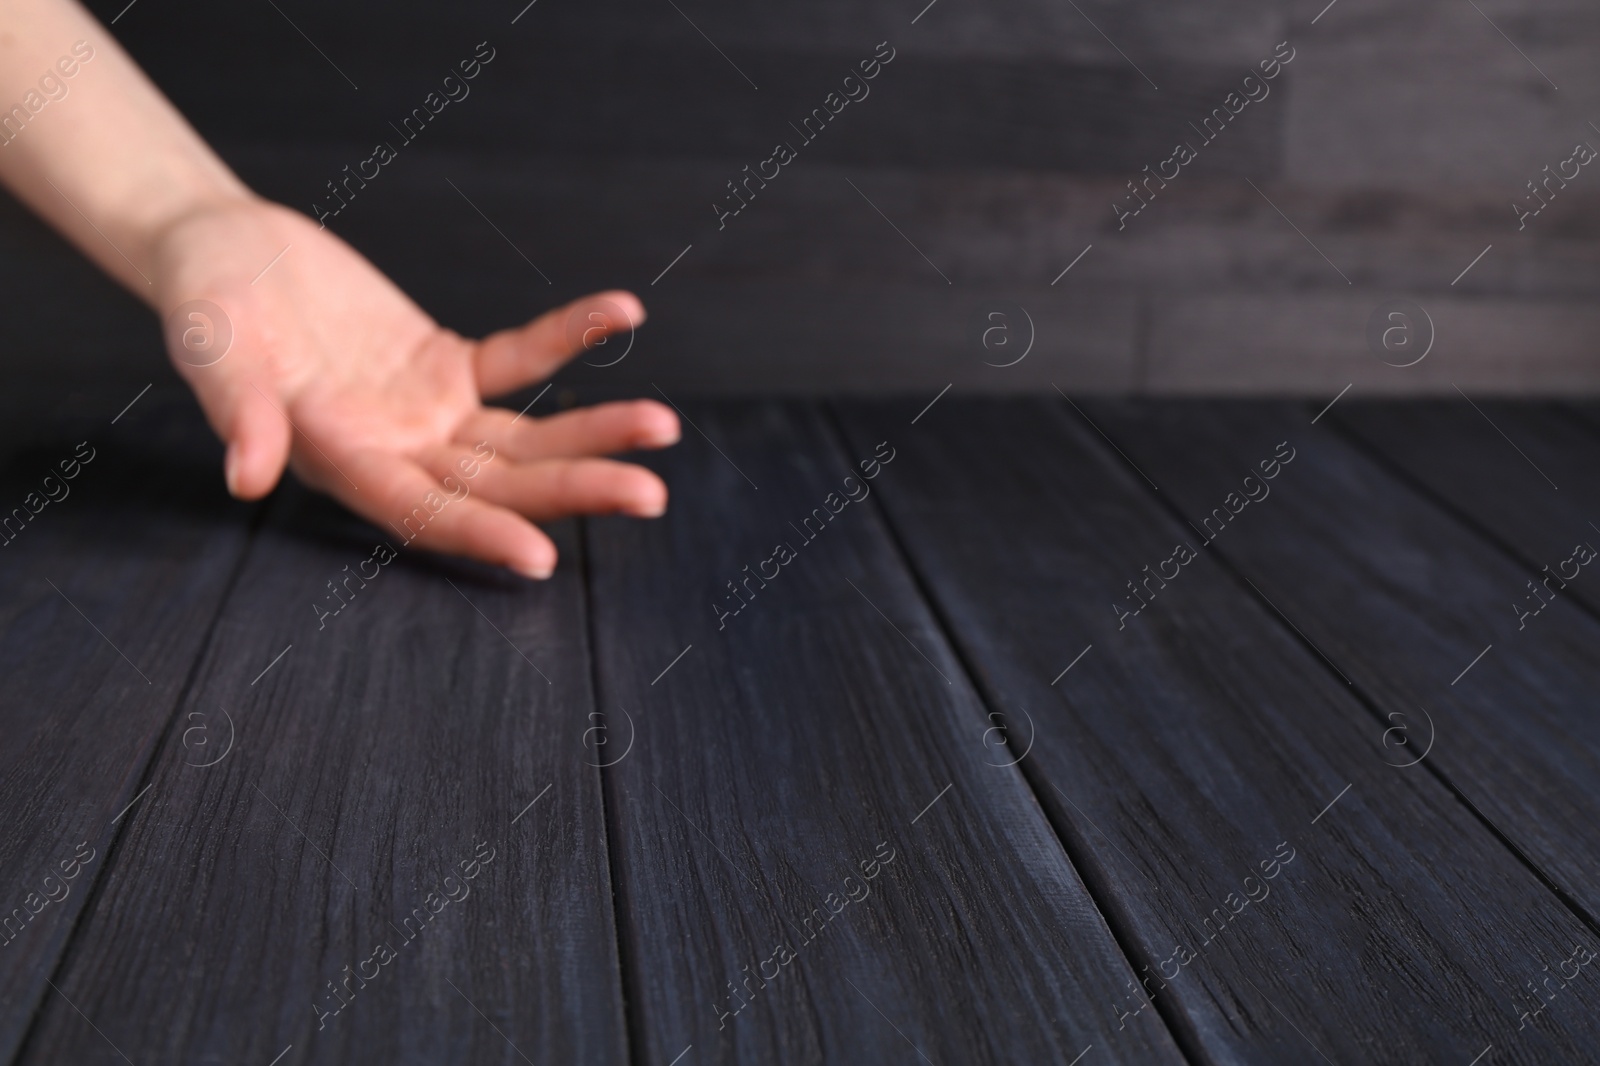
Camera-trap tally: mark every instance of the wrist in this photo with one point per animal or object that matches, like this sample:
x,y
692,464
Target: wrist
x,y
147,213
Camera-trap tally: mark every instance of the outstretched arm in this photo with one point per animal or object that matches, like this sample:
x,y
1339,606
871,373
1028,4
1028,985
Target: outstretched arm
x,y
300,351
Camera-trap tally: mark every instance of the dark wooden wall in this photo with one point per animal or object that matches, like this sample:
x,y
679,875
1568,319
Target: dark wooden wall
x,y
1385,159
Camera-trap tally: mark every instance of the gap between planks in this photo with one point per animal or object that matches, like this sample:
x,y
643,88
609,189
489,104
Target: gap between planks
x,y
96,886
1366,699
1077,857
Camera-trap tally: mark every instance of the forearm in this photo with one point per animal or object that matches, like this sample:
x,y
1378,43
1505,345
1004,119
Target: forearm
x,y
98,152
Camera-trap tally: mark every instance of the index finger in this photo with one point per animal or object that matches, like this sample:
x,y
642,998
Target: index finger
x,y
508,360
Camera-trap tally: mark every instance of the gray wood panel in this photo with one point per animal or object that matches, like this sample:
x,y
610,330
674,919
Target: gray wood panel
x,y
1409,606
998,141
109,593
1430,95
1271,344
1525,474
774,755
1185,749
419,731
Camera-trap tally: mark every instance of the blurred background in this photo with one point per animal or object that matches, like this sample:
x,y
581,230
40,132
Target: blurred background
x,y
976,179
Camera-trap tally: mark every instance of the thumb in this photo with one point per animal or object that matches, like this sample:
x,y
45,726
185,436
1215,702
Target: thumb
x,y
258,438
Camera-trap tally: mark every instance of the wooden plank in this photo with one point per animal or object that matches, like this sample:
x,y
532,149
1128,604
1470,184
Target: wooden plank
x,y
777,750
1259,343
1462,84
1210,287
1042,89
630,215
108,596
1225,287
1407,604
407,795
1231,32
1177,748
881,338
1523,473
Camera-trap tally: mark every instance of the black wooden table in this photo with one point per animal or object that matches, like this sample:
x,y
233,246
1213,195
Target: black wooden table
x,y
1022,731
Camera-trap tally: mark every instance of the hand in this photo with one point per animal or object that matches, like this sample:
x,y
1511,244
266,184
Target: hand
x,y
333,371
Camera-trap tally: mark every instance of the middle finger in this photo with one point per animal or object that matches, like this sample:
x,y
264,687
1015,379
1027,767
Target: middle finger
x,y
603,430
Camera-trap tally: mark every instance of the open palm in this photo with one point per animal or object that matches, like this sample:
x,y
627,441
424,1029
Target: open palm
x,y
332,370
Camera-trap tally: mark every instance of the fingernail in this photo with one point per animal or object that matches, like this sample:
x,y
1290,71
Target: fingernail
x,y
654,510
537,571
230,469
659,428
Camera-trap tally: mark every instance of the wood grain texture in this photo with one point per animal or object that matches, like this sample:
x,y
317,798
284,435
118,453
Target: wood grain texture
x,y
625,217
640,78
1208,290
997,141
1523,473
1407,96
373,766
1408,605
822,723
755,773
1228,33
1245,343
1179,750
108,595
